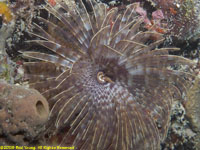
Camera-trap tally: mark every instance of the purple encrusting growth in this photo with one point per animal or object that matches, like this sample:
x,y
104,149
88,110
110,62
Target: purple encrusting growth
x,y
107,83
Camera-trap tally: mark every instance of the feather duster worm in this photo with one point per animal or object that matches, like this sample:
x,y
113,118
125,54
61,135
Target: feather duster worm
x,y
108,85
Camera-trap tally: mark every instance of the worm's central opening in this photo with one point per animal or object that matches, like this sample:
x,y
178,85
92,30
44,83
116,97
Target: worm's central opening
x,y
102,78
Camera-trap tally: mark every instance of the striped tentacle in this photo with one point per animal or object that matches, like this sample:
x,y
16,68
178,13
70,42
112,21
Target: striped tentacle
x,y
97,16
65,83
161,108
50,83
102,36
159,77
40,71
136,48
61,46
48,58
123,26
138,129
56,103
73,27
79,22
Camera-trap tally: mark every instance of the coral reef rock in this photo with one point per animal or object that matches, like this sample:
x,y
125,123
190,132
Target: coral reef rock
x,y
193,105
193,111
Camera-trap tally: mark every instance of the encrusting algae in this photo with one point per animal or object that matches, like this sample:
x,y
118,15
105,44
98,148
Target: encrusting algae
x,y
108,84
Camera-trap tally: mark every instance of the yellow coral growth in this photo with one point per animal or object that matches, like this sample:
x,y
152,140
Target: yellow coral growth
x,y
5,12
